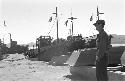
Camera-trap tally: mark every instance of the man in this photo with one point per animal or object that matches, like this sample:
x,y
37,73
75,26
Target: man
x,y
102,44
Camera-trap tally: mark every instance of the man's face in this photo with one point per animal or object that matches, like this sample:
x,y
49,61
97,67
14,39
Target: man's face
x,y
98,27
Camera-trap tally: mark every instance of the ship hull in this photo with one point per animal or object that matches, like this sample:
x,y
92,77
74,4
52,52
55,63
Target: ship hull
x,y
87,57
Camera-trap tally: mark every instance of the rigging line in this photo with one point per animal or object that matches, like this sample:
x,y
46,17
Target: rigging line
x,y
52,26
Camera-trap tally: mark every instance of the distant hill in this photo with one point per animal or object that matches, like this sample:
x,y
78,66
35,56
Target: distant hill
x,y
118,39
29,44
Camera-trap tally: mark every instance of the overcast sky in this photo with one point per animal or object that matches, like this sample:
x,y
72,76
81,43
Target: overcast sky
x,y
28,19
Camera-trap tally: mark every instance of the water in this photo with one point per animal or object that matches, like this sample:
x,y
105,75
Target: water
x,y
114,45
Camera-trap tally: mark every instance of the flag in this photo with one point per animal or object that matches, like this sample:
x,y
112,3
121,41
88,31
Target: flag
x,y
91,18
66,22
50,19
4,23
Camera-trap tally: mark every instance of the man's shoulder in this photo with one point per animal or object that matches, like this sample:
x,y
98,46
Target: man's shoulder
x,y
104,33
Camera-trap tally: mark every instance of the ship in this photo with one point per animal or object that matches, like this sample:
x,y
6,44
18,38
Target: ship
x,y
48,50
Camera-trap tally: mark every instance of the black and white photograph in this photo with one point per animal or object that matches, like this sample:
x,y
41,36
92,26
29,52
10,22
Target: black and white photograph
x,y
62,40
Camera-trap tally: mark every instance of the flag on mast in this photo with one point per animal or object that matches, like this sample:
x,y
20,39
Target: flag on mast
x,y
50,19
5,23
66,22
91,18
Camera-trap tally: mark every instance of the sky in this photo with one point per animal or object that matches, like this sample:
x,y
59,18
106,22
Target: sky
x,y
26,20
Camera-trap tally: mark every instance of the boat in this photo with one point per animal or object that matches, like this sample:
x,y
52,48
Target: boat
x,y
86,58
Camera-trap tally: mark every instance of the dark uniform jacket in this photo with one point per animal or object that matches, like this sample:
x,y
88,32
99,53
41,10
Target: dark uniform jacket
x,y
103,44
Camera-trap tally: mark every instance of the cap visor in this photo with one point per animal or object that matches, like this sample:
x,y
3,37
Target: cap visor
x,y
94,24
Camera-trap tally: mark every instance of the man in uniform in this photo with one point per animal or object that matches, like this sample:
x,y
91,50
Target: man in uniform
x,y
102,44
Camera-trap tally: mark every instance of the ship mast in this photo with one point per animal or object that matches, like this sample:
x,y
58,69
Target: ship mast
x,y
98,13
10,40
72,18
57,25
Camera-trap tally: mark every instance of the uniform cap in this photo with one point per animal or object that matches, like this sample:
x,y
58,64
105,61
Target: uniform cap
x,y
99,22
